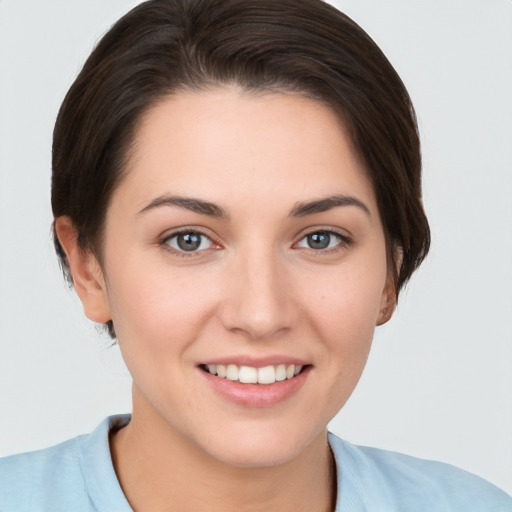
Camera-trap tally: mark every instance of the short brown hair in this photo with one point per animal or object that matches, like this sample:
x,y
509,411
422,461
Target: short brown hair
x,y
305,46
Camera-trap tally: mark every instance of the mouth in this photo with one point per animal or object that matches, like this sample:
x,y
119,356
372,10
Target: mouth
x,y
251,375
256,384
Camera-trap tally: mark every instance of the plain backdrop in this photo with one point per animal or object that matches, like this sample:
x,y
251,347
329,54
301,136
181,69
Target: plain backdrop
x,y
438,383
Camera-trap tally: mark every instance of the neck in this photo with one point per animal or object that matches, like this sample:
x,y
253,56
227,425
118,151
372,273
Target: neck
x,y
160,470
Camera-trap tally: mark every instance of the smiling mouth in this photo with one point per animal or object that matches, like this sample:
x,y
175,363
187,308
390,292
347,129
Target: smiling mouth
x,y
251,375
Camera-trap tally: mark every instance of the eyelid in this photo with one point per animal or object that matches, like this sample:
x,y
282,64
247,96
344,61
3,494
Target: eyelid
x,y
164,241
346,240
342,233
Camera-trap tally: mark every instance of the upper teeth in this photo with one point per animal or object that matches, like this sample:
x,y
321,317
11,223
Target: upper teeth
x,y
251,375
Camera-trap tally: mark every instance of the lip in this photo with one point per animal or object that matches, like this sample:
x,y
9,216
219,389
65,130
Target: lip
x,y
255,395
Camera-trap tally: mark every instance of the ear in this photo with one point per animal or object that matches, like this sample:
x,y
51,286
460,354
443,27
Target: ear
x,y
86,272
389,294
388,302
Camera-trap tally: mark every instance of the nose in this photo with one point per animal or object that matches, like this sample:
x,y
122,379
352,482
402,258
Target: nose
x,y
258,300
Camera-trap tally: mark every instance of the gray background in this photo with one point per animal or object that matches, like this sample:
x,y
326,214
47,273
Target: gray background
x,y
439,381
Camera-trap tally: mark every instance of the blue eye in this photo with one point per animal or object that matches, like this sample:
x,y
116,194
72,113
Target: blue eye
x,y
320,240
189,241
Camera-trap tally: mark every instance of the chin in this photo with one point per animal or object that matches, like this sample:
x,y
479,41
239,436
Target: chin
x,y
262,447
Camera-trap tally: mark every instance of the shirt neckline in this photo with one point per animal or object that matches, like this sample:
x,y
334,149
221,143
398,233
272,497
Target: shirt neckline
x,y
102,485
104,489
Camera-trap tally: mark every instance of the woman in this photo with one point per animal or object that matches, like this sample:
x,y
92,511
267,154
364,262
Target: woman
x,y
236,192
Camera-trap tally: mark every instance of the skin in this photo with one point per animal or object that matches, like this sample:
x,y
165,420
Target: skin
x,y
255,288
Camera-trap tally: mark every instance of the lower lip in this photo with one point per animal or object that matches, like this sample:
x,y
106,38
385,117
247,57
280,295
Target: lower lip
x,y
256,395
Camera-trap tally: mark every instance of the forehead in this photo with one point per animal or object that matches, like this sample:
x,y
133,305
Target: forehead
x,y
227,145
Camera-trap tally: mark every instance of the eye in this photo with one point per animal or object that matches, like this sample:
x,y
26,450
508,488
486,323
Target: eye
x,y
321,240
189,241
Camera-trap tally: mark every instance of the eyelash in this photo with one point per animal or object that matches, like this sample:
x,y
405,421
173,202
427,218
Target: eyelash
x,y
164,242
345,242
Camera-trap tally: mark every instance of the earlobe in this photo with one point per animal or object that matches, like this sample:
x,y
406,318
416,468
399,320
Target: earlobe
x,y
86,273
388,304
385,315
389,294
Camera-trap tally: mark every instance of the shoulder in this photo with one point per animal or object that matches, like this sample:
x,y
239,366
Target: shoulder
x,y
31,481
76,475
373,477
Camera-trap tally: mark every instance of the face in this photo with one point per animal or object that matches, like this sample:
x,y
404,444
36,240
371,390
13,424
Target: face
x,y
245,270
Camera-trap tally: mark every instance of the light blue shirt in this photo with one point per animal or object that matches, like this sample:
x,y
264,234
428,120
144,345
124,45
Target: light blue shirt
x,y
78,476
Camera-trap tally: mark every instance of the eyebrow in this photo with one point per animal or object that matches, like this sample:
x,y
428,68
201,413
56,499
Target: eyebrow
x,y
301,209
194,205
325,204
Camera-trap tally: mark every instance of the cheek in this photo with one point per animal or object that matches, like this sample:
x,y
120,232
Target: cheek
x,y
345,307
154,312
